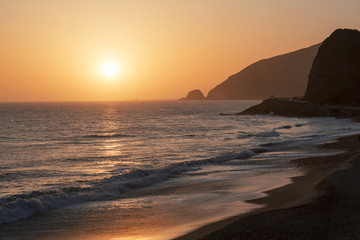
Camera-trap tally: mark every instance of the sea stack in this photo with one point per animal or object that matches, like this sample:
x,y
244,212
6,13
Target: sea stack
x,y
195,95
335,74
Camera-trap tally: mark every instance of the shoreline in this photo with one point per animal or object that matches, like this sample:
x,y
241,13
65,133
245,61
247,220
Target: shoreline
x,y
298,108
304,191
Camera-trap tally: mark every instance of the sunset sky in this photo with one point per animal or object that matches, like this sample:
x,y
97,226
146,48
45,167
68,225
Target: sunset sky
x,y
81,50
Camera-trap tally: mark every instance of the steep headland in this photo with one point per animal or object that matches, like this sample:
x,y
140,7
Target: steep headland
x,y
335,74
334,82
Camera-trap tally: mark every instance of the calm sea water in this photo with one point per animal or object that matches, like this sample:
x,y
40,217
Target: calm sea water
x,y
58,155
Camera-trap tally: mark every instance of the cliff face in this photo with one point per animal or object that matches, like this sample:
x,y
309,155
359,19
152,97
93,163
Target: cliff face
x,y
285,75
335,74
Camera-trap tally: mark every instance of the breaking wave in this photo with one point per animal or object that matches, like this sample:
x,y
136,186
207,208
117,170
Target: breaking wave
x,y
22,206
270,134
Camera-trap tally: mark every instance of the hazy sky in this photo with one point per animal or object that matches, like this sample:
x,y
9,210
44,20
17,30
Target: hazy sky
x,y
54,50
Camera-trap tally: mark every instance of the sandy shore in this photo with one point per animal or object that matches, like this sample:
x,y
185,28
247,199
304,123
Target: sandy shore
x,y
322,204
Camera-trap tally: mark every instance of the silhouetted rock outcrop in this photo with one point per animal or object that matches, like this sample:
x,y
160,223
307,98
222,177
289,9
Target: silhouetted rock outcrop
x,y
334,80
285,75
194,95
335,74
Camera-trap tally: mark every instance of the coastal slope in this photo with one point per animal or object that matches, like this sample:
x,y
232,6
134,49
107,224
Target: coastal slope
x,y
284,75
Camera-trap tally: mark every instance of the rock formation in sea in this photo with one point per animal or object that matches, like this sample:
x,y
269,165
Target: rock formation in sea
x,y
284,75
335,74
194,95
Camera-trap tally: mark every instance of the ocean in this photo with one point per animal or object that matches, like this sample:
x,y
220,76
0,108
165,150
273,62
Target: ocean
x,y
143,169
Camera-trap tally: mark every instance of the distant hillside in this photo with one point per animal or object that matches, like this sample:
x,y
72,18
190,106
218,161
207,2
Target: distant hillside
x,y
285,75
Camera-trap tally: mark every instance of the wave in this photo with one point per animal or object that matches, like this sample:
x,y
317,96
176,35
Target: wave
x,y
307,140
22,206
289,126
24,174
92,159
267,134
112,135
86,139
270,134
285,127
276,145
189,135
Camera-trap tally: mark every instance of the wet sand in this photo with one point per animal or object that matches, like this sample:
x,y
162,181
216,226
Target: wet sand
x,y
322,204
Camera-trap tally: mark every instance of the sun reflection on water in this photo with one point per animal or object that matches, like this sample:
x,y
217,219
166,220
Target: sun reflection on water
x,y
111,148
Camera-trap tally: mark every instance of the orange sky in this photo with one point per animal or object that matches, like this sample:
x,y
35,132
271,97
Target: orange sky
x,y
53,50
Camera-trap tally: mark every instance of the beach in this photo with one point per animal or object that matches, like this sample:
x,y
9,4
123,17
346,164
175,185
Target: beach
x,y
321,204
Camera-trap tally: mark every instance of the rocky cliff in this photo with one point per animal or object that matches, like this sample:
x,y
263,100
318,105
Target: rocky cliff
x,y
284,75
335,74
334,82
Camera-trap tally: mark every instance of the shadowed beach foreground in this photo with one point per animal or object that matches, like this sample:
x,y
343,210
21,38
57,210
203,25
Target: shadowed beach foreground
x,y
322,204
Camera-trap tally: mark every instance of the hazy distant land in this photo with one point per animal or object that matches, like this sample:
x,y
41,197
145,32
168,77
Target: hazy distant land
x,y
284,75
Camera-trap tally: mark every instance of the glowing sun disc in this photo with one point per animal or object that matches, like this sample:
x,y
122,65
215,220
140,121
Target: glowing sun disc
x,y
109,69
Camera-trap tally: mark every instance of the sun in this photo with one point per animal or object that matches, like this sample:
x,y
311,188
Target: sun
x,y
110,69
